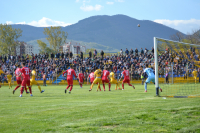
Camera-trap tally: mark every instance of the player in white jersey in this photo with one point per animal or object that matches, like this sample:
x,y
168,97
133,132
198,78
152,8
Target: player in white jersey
x,y
151,77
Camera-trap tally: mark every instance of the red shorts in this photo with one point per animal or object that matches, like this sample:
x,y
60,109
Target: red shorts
x,y
70,81
91,81
105,81
126,81
26,82
80,80
19,82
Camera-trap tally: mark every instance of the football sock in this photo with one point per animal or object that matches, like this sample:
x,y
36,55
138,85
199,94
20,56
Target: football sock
x,y
71,88
92,86
104,87
99,87
116,86
109,85
122,85
21,91
30,90
16,87
145,86
39,88
81,85
130,84
25,88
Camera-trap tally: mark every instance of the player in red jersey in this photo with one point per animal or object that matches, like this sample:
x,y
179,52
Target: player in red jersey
x,y
18,78
91,77
25,72
105,76
81,78
126,75
70,72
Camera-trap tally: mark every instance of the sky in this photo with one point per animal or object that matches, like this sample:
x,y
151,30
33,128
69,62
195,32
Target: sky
x,y
183,15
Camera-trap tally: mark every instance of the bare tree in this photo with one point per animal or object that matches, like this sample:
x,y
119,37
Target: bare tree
x,y
177,37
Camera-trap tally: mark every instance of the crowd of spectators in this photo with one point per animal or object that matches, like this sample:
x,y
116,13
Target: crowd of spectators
x,y
135,60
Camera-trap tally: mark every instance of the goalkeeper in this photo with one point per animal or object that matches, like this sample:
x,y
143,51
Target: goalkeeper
x,y
151,76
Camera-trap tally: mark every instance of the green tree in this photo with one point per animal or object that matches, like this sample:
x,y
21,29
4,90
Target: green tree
x,y
44,48
55,37
8,38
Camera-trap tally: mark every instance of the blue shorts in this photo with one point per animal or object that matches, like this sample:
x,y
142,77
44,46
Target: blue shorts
x,y
150,79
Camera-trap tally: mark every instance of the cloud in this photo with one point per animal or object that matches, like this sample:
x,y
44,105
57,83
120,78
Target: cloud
x,y
9,22
44,22
91,8
185,26
77,1
109,3
120,0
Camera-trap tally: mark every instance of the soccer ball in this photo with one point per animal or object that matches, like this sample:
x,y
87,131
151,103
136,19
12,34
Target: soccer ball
x,y
138,25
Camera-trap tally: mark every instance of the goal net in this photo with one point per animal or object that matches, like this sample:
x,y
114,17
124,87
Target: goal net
x,y
176,68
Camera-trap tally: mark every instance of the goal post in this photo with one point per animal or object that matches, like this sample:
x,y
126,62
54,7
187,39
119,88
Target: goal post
x,y
176,62
156,66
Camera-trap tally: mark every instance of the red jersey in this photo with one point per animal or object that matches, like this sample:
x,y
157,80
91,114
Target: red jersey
x,y
106,73
126,74
81,76
70,73
91,76
26,73
18,73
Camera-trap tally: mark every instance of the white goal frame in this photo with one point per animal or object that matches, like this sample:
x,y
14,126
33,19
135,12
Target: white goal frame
x,y
156,60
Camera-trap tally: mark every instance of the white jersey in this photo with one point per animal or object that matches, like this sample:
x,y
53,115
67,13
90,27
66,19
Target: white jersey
x,y
149,72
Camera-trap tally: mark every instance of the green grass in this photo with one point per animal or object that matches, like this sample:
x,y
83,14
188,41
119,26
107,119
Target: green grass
x,y
83,111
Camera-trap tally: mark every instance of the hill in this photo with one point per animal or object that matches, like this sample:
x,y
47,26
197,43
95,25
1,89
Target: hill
x,y
118,31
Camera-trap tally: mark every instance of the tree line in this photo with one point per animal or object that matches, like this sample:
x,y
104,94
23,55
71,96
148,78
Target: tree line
x,y
9,39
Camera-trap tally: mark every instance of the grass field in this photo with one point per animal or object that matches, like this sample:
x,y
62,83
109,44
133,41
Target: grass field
x,y
83,111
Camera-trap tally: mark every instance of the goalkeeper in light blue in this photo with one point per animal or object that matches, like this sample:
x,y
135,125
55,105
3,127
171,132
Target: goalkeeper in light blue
x,y
151,77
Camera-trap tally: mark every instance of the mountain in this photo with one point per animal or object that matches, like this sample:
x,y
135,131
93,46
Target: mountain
x,y
117,32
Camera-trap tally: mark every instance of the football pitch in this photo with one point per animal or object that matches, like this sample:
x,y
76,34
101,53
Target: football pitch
x,y
120,111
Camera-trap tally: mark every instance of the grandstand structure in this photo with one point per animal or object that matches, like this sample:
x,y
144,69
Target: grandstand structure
x,y
74,47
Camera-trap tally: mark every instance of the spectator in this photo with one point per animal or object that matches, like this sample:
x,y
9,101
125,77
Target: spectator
x,y
121,52
52,55
95,53
102,54
62,55
146,51
127,52
152,50
142,51
136,52
71,54
90,54
131,52
81,56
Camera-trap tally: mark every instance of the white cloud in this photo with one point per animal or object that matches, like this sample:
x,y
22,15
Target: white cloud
x,y
9,22
109,3
185,26
21,22
91,8
44,22
77,1
47,22
120,0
